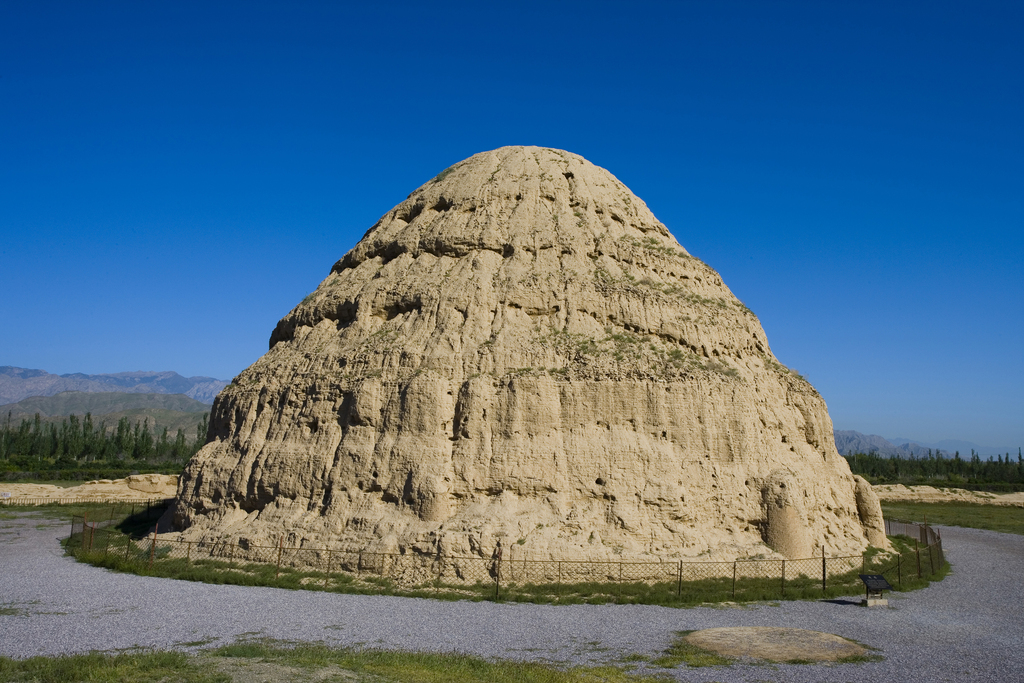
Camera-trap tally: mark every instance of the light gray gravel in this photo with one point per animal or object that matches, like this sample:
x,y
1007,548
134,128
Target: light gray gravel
x,y
969,627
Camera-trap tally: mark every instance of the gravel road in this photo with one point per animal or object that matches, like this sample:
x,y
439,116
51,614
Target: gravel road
x,y
969,627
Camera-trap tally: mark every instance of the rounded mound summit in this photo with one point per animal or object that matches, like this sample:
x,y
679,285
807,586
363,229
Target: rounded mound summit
x,y
521,352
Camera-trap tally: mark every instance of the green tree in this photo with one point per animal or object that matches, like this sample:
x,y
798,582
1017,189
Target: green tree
x,y
125,438
143,441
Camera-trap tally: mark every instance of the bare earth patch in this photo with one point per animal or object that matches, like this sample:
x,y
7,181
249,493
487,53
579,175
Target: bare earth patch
x,y
250,669
134,487
898,493
776,644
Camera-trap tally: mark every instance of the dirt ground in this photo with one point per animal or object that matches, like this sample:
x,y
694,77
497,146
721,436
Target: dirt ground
x,y
898,493
135,487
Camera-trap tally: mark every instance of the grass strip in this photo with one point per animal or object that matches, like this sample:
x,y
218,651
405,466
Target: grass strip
x,y
271,660
130,667
1003,518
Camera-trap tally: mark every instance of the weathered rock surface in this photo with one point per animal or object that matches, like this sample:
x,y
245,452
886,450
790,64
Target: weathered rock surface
x,y
521,351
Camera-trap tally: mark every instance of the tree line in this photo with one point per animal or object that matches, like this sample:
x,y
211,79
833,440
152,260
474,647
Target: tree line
x,y
79,444
992,474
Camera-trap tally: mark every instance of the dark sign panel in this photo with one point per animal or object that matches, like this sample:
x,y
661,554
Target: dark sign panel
x,y
875,583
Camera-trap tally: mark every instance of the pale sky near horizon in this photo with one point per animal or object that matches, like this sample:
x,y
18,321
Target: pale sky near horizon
x,y
175,177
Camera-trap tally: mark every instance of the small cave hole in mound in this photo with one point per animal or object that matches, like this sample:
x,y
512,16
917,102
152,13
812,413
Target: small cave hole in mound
x,y
519,197
442,204
599,481
568,175
411,212
375,475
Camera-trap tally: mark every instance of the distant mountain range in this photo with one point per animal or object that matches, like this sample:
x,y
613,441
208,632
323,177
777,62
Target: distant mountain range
x,y
19,383
848,442
174,411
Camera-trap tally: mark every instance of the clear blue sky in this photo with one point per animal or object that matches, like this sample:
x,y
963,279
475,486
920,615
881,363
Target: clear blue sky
x,y
174,177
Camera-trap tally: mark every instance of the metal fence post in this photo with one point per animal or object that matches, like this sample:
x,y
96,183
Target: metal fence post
x,y
72,535
917,551
734,578
152,549
679,585
280,547
823,573
783,577
188,553
899,568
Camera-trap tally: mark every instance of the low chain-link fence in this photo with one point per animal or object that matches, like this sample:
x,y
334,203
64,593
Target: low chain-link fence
x,y
28,501
924,560
509,577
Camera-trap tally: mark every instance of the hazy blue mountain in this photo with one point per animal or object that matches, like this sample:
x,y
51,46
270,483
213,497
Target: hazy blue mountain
x,y
19,383
100,403
848,441
964,447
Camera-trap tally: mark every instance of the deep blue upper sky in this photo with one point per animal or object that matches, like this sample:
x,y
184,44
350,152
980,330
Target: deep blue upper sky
x,y
174,178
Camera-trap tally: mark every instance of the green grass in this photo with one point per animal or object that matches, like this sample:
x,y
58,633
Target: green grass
x,y
1002,518
904,577
682,652
300,662
135,667
416,667
860,659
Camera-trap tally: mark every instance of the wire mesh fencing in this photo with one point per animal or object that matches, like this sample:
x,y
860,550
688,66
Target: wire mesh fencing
x,y
507,578
28,501
918,563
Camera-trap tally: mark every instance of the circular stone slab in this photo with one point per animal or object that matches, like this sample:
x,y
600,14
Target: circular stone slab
x,y
775,644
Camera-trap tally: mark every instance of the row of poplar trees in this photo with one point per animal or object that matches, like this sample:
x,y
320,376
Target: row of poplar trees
x,y
78,440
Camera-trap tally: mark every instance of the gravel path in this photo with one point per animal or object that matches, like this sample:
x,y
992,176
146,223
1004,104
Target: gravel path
x,y
968,627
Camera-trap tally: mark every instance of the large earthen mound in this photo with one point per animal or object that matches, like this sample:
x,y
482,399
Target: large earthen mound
x,y
521,352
